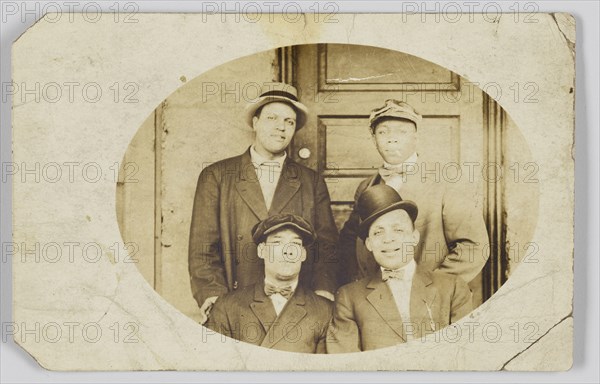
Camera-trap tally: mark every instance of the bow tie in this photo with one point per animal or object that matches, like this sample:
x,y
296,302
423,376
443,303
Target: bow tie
x,y
386,173
387,274
286,292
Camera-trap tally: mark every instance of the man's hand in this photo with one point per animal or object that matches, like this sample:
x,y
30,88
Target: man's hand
x,y
206,307
328,295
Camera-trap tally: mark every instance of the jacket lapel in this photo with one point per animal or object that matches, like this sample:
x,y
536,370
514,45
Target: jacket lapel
x,y
263,307
249,189
373,180
287,186
383,301
423,312
287,322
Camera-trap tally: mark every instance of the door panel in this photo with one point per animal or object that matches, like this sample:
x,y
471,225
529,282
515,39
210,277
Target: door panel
x,y
363,68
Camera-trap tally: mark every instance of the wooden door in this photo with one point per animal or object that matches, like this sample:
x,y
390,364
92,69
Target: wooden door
x,y
341,84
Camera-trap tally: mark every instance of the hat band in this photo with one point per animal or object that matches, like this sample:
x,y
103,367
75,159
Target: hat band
x,y
280,93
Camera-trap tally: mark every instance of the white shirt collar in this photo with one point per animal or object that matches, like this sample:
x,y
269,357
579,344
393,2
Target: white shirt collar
x,y
293,284
409,269
259,160
411,159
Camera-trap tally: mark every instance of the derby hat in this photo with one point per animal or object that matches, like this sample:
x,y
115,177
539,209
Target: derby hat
x,y
378,200
278,92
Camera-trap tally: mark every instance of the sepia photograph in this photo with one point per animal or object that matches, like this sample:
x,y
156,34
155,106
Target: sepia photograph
x,y
332,192
299,141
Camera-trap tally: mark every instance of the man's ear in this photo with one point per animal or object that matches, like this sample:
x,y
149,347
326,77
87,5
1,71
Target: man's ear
x,y
254,120
302,253
373,138
260,249
416,236
368,244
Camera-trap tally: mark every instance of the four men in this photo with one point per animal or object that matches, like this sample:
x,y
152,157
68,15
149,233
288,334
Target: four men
x,y
258,216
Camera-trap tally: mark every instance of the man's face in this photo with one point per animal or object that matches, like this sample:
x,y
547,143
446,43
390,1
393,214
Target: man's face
x,y
274,128
392,239
396,140
283,254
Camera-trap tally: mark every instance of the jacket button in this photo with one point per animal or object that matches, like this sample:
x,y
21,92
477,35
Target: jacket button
x,y
235,285
240,237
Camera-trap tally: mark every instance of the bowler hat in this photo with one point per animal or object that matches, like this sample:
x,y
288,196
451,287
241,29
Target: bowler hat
x,y
278,92
394,109
378,200
283,220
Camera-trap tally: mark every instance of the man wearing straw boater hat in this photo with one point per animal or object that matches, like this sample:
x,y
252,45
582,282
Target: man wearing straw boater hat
x,y
399,301
234,194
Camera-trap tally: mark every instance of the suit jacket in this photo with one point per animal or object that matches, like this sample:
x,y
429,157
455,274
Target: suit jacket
x,y
229,202
454,238
366,316
249,315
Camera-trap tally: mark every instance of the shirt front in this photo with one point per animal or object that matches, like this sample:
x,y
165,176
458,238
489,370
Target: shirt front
x,y
268,172
278,300
396,181
401,291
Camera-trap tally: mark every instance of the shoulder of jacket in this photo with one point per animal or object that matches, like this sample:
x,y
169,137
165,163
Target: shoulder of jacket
x,y
217,168
238,294
303,168
227,161
442,278
319,302
358,285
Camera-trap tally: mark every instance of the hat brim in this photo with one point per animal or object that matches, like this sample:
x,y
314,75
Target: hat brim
x,y
405,205
307,236
379,119
301,109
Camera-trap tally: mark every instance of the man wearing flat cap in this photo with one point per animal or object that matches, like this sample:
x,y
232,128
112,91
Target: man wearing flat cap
x,y
277,312
234,194
454,238
399,301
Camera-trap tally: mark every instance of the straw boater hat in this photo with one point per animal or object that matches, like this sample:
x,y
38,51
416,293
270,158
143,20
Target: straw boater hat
x,y
278,92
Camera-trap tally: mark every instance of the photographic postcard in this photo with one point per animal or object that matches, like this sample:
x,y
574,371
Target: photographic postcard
x,y
288,191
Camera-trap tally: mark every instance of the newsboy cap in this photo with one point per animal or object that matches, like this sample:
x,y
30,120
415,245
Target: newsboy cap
x,y
394,109
278,92
284,220
378,200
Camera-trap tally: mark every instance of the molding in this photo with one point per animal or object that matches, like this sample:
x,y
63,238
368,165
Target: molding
x,y
323,86
495,270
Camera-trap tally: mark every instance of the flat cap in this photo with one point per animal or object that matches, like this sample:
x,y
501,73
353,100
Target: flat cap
x,y
394,109
284,220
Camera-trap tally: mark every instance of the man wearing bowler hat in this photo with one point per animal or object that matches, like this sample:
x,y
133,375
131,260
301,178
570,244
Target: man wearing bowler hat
x,y
400,301
277,312
454,238
234,194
